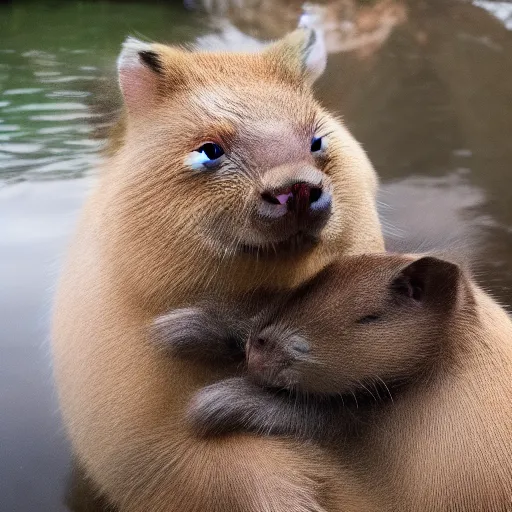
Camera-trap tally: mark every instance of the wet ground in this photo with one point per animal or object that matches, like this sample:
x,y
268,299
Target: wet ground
x,y
425,86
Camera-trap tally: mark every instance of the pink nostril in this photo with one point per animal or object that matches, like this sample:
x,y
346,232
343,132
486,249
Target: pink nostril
x,y
283,198
280,197
269,198
298,197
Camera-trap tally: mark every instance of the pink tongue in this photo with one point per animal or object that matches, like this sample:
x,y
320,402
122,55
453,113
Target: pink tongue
x,y
283,198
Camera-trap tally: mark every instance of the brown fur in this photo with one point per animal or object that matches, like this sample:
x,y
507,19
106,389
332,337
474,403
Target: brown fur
x,y
420,332
155,235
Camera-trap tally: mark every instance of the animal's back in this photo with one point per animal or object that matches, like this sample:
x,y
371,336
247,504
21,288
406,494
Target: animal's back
x,y
448,447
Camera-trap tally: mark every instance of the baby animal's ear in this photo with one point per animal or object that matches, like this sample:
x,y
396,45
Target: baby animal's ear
x,y
429,280
147,71
301,55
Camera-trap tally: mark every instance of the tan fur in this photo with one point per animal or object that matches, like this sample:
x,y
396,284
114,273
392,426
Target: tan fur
x,y
448,447
155,235
443,442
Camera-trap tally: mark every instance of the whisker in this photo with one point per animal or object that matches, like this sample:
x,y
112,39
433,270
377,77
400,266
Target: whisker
x,y
387,389
367,390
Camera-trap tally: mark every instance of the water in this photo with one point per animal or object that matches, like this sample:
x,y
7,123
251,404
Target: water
x,y
426,87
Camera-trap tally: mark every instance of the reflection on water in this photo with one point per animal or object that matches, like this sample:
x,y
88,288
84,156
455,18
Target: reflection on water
x,y
458,223
425,85
502,10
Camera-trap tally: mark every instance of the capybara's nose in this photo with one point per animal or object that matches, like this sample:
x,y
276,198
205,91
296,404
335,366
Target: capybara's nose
x,y
259,353
260,344
300,198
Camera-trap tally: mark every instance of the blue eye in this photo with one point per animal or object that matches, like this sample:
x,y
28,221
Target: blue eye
x,y
208,155
211,150
316,144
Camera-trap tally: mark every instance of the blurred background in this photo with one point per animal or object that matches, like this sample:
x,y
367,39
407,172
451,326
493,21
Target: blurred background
x,y
426,86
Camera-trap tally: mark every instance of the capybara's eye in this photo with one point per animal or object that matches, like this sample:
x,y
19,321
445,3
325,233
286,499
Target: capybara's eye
x,y
209,155
211,150
368,319
317,144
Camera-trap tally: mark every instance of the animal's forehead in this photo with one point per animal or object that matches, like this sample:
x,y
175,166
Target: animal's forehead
x,y
233,69
269,128
268,106
352,283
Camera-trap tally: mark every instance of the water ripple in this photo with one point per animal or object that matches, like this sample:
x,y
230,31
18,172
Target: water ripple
x,y
47,106
28,90
44,128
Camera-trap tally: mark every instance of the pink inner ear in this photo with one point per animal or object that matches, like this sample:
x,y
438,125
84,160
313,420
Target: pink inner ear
x,y
139,87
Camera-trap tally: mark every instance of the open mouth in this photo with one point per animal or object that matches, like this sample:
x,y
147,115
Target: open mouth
x,y
297,243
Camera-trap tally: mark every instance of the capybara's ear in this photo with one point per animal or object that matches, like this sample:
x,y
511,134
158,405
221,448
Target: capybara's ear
x,y
147,72
429,280
301,55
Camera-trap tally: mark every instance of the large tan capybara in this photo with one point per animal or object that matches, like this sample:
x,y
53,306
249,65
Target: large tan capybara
x,y
228,179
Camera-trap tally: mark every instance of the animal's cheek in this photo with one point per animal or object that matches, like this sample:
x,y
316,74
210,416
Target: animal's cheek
x,y
229,211
327,164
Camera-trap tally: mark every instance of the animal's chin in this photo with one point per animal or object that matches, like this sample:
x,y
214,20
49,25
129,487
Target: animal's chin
x,y
296,244
281,377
